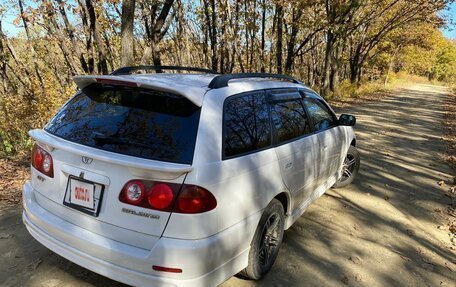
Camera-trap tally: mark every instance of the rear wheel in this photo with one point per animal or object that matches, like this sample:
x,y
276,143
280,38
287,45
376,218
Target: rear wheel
x,y
266,241
350,168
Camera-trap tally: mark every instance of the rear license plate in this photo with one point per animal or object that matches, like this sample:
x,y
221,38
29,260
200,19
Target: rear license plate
x,y
83,195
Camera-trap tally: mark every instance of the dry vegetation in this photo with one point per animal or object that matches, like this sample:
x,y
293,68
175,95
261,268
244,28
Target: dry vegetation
x,y
341,48
449,122
350,51
13,173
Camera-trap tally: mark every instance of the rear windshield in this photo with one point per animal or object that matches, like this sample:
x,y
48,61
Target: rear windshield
x,y
132,121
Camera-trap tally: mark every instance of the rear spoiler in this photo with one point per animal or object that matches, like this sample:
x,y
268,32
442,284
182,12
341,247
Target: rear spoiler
x,y
192,93
138,166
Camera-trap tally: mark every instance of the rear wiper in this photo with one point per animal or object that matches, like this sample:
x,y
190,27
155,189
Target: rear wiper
x,y
104,140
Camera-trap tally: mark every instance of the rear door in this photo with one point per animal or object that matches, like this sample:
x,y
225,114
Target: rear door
x,y
296,148
330,137
105,137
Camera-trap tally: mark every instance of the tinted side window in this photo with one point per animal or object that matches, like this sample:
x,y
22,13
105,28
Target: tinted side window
x,y
289,120
322,118
246,124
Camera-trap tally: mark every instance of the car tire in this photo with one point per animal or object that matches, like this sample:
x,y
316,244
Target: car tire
x,y
350,168
266,241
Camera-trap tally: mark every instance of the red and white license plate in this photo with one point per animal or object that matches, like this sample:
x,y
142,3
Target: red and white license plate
x,y
82,193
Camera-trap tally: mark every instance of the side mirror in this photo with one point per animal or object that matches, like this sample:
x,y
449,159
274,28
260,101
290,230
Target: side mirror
x,y
347,120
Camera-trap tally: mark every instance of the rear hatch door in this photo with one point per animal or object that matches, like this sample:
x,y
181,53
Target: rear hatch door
x,y
106,136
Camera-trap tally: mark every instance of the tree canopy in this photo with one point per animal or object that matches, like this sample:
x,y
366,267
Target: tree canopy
x,y
321,42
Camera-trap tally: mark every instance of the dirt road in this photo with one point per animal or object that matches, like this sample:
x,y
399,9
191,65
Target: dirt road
x,y
390,228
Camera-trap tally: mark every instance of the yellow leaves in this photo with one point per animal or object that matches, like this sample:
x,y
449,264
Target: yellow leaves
x,y
17,20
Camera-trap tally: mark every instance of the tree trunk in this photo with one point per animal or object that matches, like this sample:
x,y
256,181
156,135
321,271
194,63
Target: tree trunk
x,y
355,65
334,79
126,33
102,62
18,62
263,30
279,38
390,66
156,54
291,43
70,31
67,53
88,36
156,29
252,36
327,65
32,49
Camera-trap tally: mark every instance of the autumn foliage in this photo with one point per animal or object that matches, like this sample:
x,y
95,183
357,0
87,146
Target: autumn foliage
x,y
329,44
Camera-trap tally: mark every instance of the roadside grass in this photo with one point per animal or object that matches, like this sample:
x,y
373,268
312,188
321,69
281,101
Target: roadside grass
x,y
348,93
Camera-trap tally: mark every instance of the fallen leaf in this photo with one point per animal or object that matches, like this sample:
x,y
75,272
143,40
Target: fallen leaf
x,y
358,278
344,279
452,227
34,264
6,235
354,259
405,258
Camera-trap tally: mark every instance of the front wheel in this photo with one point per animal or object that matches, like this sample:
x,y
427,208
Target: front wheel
x,y
350,168
266,241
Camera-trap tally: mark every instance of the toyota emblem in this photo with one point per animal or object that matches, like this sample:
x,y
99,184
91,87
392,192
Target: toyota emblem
x,y
87,160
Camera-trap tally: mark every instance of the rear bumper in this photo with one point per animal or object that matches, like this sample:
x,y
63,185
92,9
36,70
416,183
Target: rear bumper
x,y
205,262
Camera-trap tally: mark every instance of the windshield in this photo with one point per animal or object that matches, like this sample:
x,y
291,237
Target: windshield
x,y
144,123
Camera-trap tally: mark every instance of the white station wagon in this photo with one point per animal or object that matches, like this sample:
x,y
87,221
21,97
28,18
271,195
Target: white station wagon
x,y
182,179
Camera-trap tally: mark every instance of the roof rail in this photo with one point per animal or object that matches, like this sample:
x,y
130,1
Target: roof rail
x,y
222,80
159,69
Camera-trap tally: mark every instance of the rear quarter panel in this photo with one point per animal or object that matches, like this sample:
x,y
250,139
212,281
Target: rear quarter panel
x,y
243,186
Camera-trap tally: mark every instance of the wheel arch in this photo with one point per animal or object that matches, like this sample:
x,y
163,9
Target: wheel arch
x,y
285,199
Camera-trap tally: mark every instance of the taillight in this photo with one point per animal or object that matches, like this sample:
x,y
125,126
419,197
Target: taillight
x,y
134,192
161,196
167,196
42,161
194,199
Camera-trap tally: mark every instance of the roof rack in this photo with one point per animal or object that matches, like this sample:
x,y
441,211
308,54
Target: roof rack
x,y
159,69
222,80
